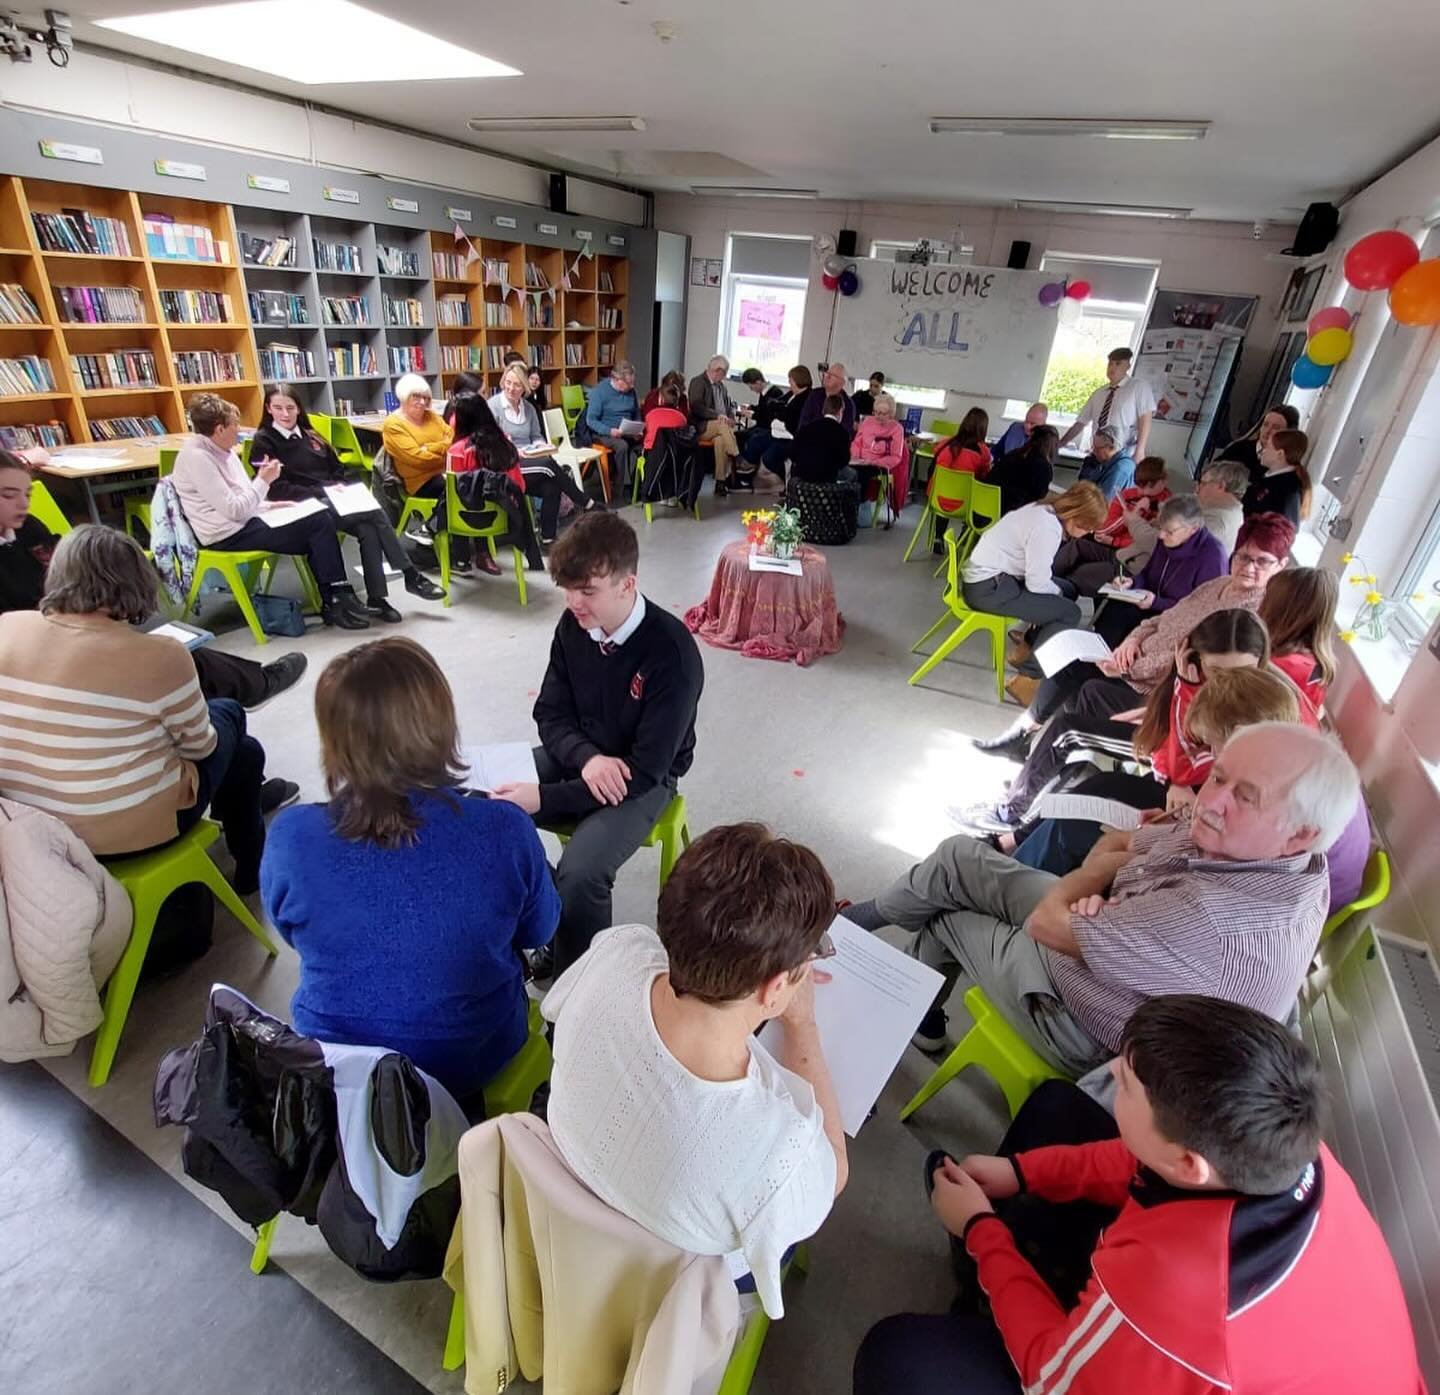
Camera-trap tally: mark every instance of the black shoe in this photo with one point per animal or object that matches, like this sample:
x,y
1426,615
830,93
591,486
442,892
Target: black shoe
x,y
383,610
283,673
930,1035
743,484
720,490
422,586
460,568
540,963
276,794
1011,746
344,611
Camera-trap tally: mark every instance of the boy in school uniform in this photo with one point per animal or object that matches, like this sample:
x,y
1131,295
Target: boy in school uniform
x,y
616,716
1214,1245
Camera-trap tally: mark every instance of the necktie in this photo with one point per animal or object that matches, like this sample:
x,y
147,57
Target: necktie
x,y
608,647
1105,407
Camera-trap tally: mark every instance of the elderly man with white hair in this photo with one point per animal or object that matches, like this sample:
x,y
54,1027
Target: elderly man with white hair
x,y
1019,432
832,384
1109,466
713,415
1229,903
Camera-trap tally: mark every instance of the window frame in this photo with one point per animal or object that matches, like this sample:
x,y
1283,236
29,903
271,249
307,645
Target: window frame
x,y
727,304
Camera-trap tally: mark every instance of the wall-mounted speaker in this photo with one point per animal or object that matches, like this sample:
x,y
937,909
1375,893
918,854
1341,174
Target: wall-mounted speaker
x,y
845,242
557,194
1316,231
1019,257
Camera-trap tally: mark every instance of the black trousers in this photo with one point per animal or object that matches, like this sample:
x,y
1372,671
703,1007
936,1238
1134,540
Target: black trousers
x,y
378,545
548,482
1088,710
960,1353
1115,619
312,537
228,784
434,488
225,675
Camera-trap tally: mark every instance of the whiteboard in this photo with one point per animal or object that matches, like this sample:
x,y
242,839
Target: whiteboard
x,y
979,330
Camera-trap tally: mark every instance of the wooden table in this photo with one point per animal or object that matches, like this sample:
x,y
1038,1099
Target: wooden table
x,y
98,464
367,421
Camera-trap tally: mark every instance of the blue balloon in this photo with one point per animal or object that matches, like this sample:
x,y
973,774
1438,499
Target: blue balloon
x,y
1051,294
1309,374
849,282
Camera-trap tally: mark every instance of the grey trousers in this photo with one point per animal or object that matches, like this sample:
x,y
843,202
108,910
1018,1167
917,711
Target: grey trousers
x,y
1004,595
600,846
968,905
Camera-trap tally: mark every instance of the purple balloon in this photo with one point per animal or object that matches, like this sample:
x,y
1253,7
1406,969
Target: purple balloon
x,y
849,282
1052,295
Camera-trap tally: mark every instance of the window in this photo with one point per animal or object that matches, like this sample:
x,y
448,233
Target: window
x,y
1420,584
763,306
1113,316
941,254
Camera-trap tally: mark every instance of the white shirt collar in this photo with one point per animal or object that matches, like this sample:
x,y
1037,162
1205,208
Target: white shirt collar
x,y
627,629
290,432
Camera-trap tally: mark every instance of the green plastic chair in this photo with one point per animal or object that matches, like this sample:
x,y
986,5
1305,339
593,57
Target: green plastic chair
x,y
415,507
45,510
948,497
640,479
925,450
572,404
241,572
997,1048
671,831
148,878
982,512
322,425
347,447
970,622
137,506
1374,889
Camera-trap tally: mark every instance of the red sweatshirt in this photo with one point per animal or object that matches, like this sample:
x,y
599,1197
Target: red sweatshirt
x,y
1113,532
1194,1293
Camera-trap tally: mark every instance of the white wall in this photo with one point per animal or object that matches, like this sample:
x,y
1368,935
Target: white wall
x,y
1193,256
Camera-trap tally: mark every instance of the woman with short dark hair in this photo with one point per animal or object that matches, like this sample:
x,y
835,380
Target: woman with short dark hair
x,y
407,896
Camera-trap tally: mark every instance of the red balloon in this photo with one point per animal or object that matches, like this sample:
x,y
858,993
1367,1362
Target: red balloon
x,y
1378,261
1331,317
1078,290
829,282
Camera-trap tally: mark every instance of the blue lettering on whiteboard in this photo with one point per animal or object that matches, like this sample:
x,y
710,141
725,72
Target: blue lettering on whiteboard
x,y
914,330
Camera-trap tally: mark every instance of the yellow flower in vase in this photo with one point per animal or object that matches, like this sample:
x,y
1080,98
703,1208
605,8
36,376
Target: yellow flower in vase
x,y
1373,597
1348,636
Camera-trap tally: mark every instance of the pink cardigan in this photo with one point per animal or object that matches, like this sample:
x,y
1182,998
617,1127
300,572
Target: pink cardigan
x,y
214,491
882,444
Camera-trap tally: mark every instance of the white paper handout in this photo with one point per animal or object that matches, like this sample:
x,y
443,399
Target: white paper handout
x,y
278,515
350,499
866,1014
537,448
191,639
631,427
1124,593
787,566
1092,808
501,763
1068,647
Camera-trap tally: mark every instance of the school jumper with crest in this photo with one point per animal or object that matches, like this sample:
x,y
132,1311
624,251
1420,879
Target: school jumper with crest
x,y
633,695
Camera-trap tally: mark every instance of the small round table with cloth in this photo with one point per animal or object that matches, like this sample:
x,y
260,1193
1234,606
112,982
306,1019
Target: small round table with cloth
x,y
770,615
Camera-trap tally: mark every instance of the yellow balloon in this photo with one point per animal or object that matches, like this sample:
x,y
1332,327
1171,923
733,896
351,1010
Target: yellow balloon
x,y
1329,346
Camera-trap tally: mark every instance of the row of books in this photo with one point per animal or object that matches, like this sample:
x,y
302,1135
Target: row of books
x,y
278,308
281,361
606,282
100,305
409,312
336,256
194,366
345,309
497,271
497,315
19,377
120,368
16,306
607,355
452,310
574,355
461,358
495,355
125,428
535,278
195,307
75,230
36,433
610,317
396,261
542,356
409,358
543,318
449,266
167,240
267,251
352,361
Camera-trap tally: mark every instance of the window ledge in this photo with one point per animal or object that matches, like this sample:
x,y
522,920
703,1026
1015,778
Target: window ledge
x,y
1383,662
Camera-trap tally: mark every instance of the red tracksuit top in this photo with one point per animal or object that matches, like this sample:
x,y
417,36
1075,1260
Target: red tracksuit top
x,y
1195,1292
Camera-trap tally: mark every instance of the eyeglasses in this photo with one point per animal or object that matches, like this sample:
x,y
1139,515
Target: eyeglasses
x,y
1257,561
824,950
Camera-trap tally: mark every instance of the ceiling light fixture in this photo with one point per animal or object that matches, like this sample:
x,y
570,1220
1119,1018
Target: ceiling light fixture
x,y
510,125
319,42
1120,129
1118,210
742,191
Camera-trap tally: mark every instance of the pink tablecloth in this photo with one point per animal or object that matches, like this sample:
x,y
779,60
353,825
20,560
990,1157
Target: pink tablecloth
x,y
770,615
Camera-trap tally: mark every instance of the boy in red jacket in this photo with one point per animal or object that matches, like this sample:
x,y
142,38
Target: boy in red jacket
x,y
1236,1255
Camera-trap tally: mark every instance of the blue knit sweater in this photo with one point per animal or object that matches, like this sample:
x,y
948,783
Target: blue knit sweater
x,y
414,948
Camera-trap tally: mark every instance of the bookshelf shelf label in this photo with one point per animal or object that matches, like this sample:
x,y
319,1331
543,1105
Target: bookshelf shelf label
x,y
180,169
503,222
403,205
460,215
64,150
549,229
584,234
338,195
615,240
271,183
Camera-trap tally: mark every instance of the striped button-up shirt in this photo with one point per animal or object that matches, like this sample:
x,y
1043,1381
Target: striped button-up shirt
x,y
1181,921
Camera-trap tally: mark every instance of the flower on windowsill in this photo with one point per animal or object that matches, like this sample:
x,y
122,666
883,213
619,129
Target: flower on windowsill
x,y
1347,556
1348,636
1373,597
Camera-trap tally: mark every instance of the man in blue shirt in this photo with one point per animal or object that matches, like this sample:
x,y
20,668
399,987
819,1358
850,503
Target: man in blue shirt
x,y
1107,466
611,402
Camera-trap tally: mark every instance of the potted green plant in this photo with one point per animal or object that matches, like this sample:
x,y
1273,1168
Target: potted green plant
x,y
786,534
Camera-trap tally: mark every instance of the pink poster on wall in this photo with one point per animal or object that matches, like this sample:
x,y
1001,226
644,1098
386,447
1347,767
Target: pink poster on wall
x,y
761,319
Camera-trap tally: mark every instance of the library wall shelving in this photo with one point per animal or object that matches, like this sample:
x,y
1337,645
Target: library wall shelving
x,y
116,307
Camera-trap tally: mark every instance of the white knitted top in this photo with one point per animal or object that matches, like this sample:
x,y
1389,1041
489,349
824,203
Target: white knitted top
x,y
712,1167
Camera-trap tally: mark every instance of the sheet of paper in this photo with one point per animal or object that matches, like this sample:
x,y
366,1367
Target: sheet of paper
x,y
788,566
191,639
1129,594
779,431
866,1014
630,427
278,515
81,458
1111,812
537,448
501,763
1068,647
351,499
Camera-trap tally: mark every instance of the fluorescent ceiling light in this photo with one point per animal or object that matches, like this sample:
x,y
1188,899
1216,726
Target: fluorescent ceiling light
x,y
512,124
1119,210
316,42
740,191
1122,129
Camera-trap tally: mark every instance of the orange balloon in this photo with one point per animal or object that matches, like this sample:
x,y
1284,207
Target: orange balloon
x,y
1415,297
